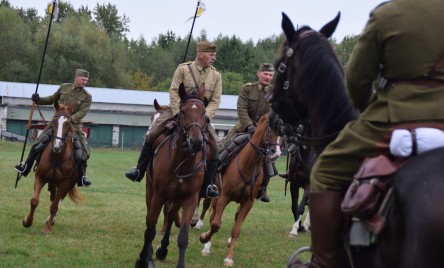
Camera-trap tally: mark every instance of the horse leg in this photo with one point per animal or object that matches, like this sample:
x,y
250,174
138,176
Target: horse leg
x,y
154,206
241,215
195,218
294,193
219,205
182,239
38,185
53,210
205,207
170,217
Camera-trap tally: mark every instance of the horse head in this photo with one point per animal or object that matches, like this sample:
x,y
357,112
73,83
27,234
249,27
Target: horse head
x,y
192,119
309,83
159,110
61,124
264,141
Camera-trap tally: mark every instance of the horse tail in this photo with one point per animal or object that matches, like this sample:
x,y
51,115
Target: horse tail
x,y
75,196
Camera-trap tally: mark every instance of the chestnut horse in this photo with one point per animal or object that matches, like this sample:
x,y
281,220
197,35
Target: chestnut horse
x,y
56,167
309,85
176,176
240,181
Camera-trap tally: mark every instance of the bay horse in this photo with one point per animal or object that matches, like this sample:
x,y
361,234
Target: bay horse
x,y
309,85
176,176
240,182
56,167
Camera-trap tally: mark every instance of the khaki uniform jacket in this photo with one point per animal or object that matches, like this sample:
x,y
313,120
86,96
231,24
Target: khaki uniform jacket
x,y
65,95
401,40
251,105
213,85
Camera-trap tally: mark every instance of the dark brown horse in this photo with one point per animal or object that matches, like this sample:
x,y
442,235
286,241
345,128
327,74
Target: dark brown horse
x,y
56,167
175,177
240,181
309,86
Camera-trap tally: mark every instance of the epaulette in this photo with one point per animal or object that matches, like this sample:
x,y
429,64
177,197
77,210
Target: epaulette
x,y
214,68
186,63
250,84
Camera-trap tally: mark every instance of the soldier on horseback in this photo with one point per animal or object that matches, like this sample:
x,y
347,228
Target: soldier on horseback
x,y
66,94
251,106
408,54
192,75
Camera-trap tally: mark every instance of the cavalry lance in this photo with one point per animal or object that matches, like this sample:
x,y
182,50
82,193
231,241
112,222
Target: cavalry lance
x,y
54,7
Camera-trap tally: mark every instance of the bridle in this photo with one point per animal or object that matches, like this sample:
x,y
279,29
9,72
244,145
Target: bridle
x,y
287,126
59,138
186,143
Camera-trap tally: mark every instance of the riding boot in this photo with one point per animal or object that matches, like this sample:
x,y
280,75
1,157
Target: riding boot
x,y
25,167
210,189
262,193
326,230
82,180
137,173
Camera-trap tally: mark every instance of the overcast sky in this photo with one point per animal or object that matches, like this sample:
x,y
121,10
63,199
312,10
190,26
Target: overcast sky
x,y
247,19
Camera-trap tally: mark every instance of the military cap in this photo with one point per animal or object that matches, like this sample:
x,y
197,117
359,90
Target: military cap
x,y
80,72
205,46
266,67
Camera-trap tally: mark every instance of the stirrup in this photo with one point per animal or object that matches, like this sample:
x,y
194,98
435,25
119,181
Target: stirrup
x,y
21,167
83,182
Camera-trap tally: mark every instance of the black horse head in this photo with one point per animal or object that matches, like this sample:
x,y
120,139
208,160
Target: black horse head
x,y
309,83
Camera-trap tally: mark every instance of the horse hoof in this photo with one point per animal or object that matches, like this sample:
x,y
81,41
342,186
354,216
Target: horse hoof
x,y
161,254
206,251
228,262
46,232
198,225
26,223
292,235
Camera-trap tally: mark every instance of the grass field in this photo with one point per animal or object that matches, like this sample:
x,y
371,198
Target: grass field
x,y
107,229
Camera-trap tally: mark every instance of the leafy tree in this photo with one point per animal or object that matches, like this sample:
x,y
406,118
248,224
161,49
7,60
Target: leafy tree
x,y
107,17
141,80
16,47
231,83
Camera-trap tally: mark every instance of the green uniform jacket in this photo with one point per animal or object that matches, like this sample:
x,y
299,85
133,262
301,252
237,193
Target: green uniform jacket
x,y
65,95
389,46
213,85
251,105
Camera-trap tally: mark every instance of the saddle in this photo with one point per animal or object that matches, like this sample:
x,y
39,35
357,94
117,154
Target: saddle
x,y
230,149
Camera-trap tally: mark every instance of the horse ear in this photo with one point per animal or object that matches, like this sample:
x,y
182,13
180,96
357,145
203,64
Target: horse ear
x,y
182,92
328,29
156,105
201,92
287,26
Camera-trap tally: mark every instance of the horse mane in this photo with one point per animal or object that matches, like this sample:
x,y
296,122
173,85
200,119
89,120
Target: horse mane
x,y
317,82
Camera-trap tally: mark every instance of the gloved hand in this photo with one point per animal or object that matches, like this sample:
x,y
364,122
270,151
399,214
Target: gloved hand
x,y
35,97
251,129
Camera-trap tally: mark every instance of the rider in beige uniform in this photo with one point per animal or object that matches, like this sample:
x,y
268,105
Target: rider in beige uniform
x,y
204,73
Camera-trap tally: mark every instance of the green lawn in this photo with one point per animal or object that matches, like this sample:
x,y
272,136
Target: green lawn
x,y
107,229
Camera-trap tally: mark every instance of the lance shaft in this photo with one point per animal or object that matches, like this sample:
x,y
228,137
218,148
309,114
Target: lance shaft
x,y
191,32
36,88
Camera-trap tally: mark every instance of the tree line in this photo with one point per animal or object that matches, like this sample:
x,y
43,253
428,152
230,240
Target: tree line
x,y
96,40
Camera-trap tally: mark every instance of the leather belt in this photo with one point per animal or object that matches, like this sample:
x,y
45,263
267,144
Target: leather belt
x,y
423,82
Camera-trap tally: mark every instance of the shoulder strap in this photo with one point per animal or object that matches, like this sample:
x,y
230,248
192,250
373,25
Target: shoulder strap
x,y
194,78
